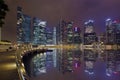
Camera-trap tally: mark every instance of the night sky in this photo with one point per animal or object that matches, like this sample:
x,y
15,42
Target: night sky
x,y
52,11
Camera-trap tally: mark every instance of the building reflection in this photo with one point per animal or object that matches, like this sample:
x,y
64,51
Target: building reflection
x,y
76,61
42,62
112,62
39,64
68,60
89,60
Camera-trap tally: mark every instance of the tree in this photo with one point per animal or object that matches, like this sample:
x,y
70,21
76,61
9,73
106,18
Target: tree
x,y
3,11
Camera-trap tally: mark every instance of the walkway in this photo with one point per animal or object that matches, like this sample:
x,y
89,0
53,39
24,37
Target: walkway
x,y
8,69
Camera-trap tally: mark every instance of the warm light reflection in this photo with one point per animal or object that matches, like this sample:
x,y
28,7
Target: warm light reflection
x,y
8,66
10,57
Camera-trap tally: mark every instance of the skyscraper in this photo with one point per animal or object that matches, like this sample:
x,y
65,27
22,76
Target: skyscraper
x,y
69,33
116,24
77,35
49,35
112,32
23,27
39,35
19,25
89,33
65,33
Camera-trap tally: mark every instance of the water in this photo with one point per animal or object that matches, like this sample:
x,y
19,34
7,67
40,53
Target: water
x,y
75,65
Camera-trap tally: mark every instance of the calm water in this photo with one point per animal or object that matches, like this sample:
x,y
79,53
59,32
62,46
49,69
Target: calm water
x,y
74,65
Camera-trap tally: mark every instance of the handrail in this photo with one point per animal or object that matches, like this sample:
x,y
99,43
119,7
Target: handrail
x,y
21,70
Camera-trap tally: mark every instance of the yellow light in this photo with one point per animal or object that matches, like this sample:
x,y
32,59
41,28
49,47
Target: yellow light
x,y
8,66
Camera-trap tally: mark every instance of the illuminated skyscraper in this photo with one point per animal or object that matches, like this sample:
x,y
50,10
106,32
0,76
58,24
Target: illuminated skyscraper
x,y
39,35
19,25
67,34
89,26
89,34
49,35
112,32
23,27
77,35
116,24
62,32
27,28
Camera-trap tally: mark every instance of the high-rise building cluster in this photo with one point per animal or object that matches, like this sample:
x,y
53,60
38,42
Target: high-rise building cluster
x,y
35,31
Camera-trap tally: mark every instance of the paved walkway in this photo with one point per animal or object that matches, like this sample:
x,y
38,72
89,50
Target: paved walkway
x,y
8,69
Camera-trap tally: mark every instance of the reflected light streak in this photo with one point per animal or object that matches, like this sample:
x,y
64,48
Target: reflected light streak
x,y
8,66
76,65
10,57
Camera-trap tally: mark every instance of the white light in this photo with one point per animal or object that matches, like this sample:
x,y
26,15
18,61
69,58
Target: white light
x,y
108,19
86,23
90,21
42,23
91,72
86,70
108,74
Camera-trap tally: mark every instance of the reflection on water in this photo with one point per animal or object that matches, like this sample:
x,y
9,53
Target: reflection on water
x,y
76,65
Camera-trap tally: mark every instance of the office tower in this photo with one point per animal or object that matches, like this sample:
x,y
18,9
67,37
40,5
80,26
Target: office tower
x,y
39,35
69,33
116,24
77,35
27,28
65,33
102,37
49,35
23,27
54,36
61,32
89,33
19,25
110,32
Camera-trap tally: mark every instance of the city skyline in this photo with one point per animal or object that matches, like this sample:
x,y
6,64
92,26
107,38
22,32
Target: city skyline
x,y
77,11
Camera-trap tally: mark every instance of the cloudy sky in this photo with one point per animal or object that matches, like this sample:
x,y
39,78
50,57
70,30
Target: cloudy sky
x,y
52,11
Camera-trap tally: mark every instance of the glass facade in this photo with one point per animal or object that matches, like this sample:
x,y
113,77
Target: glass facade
x,y
23,27
49,36
112,32
39,35
77,35
67,34
89,34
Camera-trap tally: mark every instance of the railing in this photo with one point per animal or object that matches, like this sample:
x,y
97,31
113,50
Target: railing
x,y
20,66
